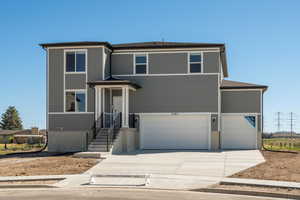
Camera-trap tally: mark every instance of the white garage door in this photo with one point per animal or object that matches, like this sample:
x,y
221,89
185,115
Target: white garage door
x,y
238,132
174,131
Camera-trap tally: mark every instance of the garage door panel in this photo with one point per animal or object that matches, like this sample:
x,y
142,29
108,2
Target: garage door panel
x,y
238,133
174,132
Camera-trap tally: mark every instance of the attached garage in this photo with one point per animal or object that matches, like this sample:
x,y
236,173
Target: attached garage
x,y
239,131
162,131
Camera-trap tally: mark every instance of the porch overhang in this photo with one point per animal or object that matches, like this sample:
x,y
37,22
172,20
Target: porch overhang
x,y
114,83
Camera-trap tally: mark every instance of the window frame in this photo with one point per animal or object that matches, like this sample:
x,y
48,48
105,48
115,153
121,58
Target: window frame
x,y
201,62
75,92
75,51
136,64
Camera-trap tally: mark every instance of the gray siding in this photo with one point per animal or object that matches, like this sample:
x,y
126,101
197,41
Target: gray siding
x,y
70,122
95,64
75,81
211,62
164,63
122,64
176,94
91,99
56,80
107,63
168,63
240,101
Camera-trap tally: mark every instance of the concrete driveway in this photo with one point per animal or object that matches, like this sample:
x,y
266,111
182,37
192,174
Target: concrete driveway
x,y
176,169
191,163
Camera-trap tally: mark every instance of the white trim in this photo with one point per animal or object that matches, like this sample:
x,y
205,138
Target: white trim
x,y
243,89
167,50
114,87
96,103
209,133
191,74
75,50
137,64
251,114
86,78
76,91
219,104
123,107
67,113
47,89
201,63
179,113
75,47
103,64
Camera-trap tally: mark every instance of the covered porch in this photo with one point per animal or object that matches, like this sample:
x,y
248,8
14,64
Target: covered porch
x,y
112,100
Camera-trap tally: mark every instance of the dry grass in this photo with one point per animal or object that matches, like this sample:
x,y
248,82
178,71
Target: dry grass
x,y
47,165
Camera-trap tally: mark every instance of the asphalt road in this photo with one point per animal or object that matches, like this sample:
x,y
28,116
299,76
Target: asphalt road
x,y
114,194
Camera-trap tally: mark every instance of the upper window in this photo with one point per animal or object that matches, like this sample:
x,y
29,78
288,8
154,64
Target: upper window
x,y
141,64
195,63
75,101
75,61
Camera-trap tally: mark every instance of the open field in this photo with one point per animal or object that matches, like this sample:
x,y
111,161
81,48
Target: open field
x,y
292,144
44,164
279,166
13,148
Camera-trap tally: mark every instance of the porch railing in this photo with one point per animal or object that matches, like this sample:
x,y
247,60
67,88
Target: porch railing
x,y
114,124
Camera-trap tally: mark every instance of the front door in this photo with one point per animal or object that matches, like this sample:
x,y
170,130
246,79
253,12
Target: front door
x,y
117,104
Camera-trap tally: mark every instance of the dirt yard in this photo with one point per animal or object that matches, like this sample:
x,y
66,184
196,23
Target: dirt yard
x,y
278,166
43,164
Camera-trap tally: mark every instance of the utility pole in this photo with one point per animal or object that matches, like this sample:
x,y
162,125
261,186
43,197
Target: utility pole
x,y
292,122
278,121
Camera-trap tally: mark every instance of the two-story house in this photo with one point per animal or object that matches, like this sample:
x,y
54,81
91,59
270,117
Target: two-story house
x,y
150,95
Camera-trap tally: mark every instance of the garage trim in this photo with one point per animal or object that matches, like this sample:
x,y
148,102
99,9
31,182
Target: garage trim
x,y
208,114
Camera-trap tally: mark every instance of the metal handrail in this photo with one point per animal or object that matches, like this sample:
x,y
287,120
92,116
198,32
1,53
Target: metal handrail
x,y
114,125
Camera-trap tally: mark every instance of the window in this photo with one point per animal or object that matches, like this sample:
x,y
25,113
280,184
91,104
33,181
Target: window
x,y
141,64
195,63
75,101
251,120
75,61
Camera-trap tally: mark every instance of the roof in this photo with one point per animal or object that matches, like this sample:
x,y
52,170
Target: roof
x,y
82,43
147,45
159,44
114,81
227,84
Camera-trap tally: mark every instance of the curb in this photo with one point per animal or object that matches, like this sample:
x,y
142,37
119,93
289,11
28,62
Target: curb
x,y
249,193
32,179
258,185
9,186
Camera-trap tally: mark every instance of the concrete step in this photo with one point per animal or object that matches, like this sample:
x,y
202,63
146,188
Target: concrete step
x,y
98,142
97,150
87,155
98,147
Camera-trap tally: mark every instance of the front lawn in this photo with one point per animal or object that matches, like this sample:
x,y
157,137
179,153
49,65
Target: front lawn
x,y
279,166
13,148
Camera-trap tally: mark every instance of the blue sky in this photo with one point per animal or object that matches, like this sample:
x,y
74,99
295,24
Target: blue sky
x,y
262,39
